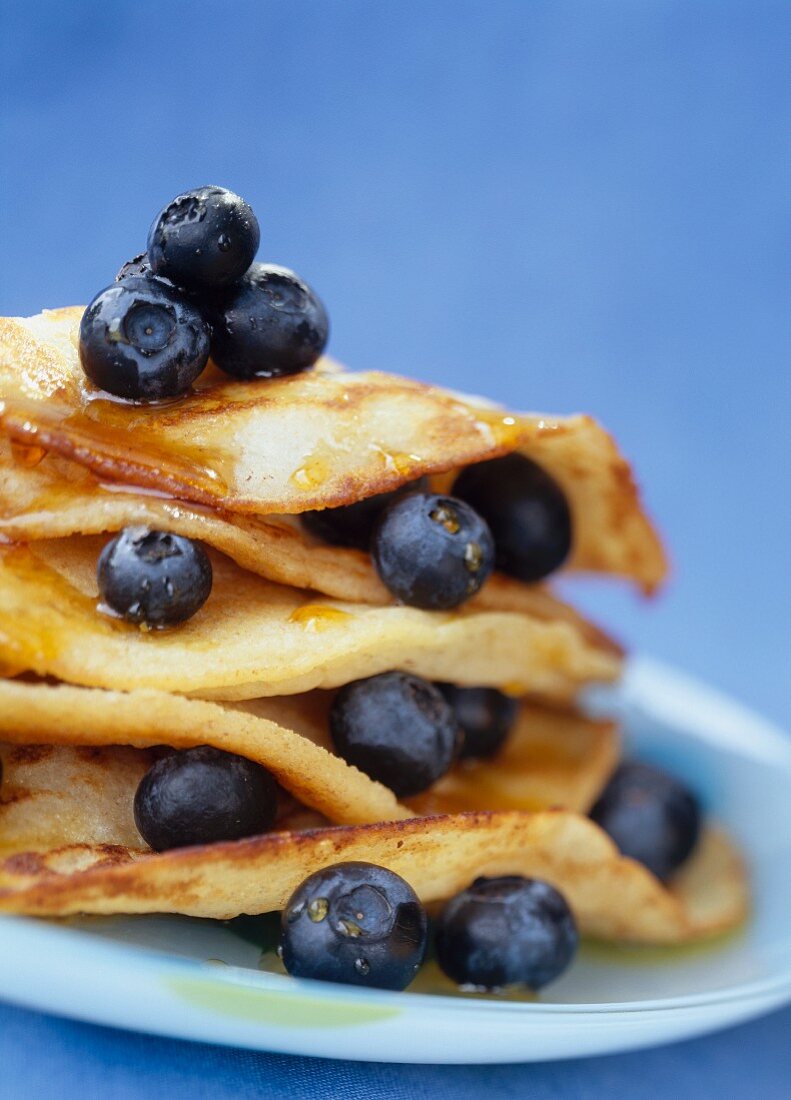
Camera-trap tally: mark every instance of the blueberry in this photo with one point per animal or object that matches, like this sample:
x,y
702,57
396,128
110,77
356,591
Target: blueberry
x,y
396,728
203,795
651,816
154,577
269,324
354,923
432,551
526,510
353,524
485,716
204,238
506,931
138,265
141,339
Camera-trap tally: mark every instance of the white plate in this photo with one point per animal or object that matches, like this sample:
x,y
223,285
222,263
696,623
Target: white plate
x,y
199,980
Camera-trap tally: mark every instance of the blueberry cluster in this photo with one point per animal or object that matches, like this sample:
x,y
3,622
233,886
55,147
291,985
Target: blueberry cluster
x,y
398,729
361,924
435,552
407,733
431,551
196,292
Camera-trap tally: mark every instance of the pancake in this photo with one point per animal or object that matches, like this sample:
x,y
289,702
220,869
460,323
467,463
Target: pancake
x,y
556,759
55,498
550,758
32,714
68,842
612,898
254,638
57,797
319,439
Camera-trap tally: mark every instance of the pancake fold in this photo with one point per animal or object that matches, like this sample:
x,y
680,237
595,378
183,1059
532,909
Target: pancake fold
x,y
68,843
54,499
612,898
32,714
253,638
320,439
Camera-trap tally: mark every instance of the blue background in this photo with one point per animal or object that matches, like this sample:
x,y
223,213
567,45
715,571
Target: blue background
x,y
569,206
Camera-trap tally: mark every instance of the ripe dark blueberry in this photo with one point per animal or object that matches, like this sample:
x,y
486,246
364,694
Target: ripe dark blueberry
x,y
354,923
203,795
650,815
485,716
506,931
396,728
154,577
204,238
270,323
141,339
138,265
526,510
353,524
432,551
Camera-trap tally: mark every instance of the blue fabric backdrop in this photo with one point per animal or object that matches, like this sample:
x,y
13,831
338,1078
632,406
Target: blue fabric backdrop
x,y
567,205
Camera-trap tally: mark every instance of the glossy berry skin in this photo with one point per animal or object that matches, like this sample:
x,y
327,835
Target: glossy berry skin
x,y
526,510
353,524
431,551
506,931
153,577
396,728
270,323
138,265
203,239
651,816
142,340
485,716
201,796
354,923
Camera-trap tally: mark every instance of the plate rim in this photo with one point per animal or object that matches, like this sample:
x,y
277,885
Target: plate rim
x,y
169,965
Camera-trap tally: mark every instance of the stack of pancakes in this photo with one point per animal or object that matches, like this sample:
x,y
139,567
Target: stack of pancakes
x,y
87,700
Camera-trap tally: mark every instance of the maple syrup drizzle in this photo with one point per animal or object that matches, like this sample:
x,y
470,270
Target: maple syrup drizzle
x,y
317,617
